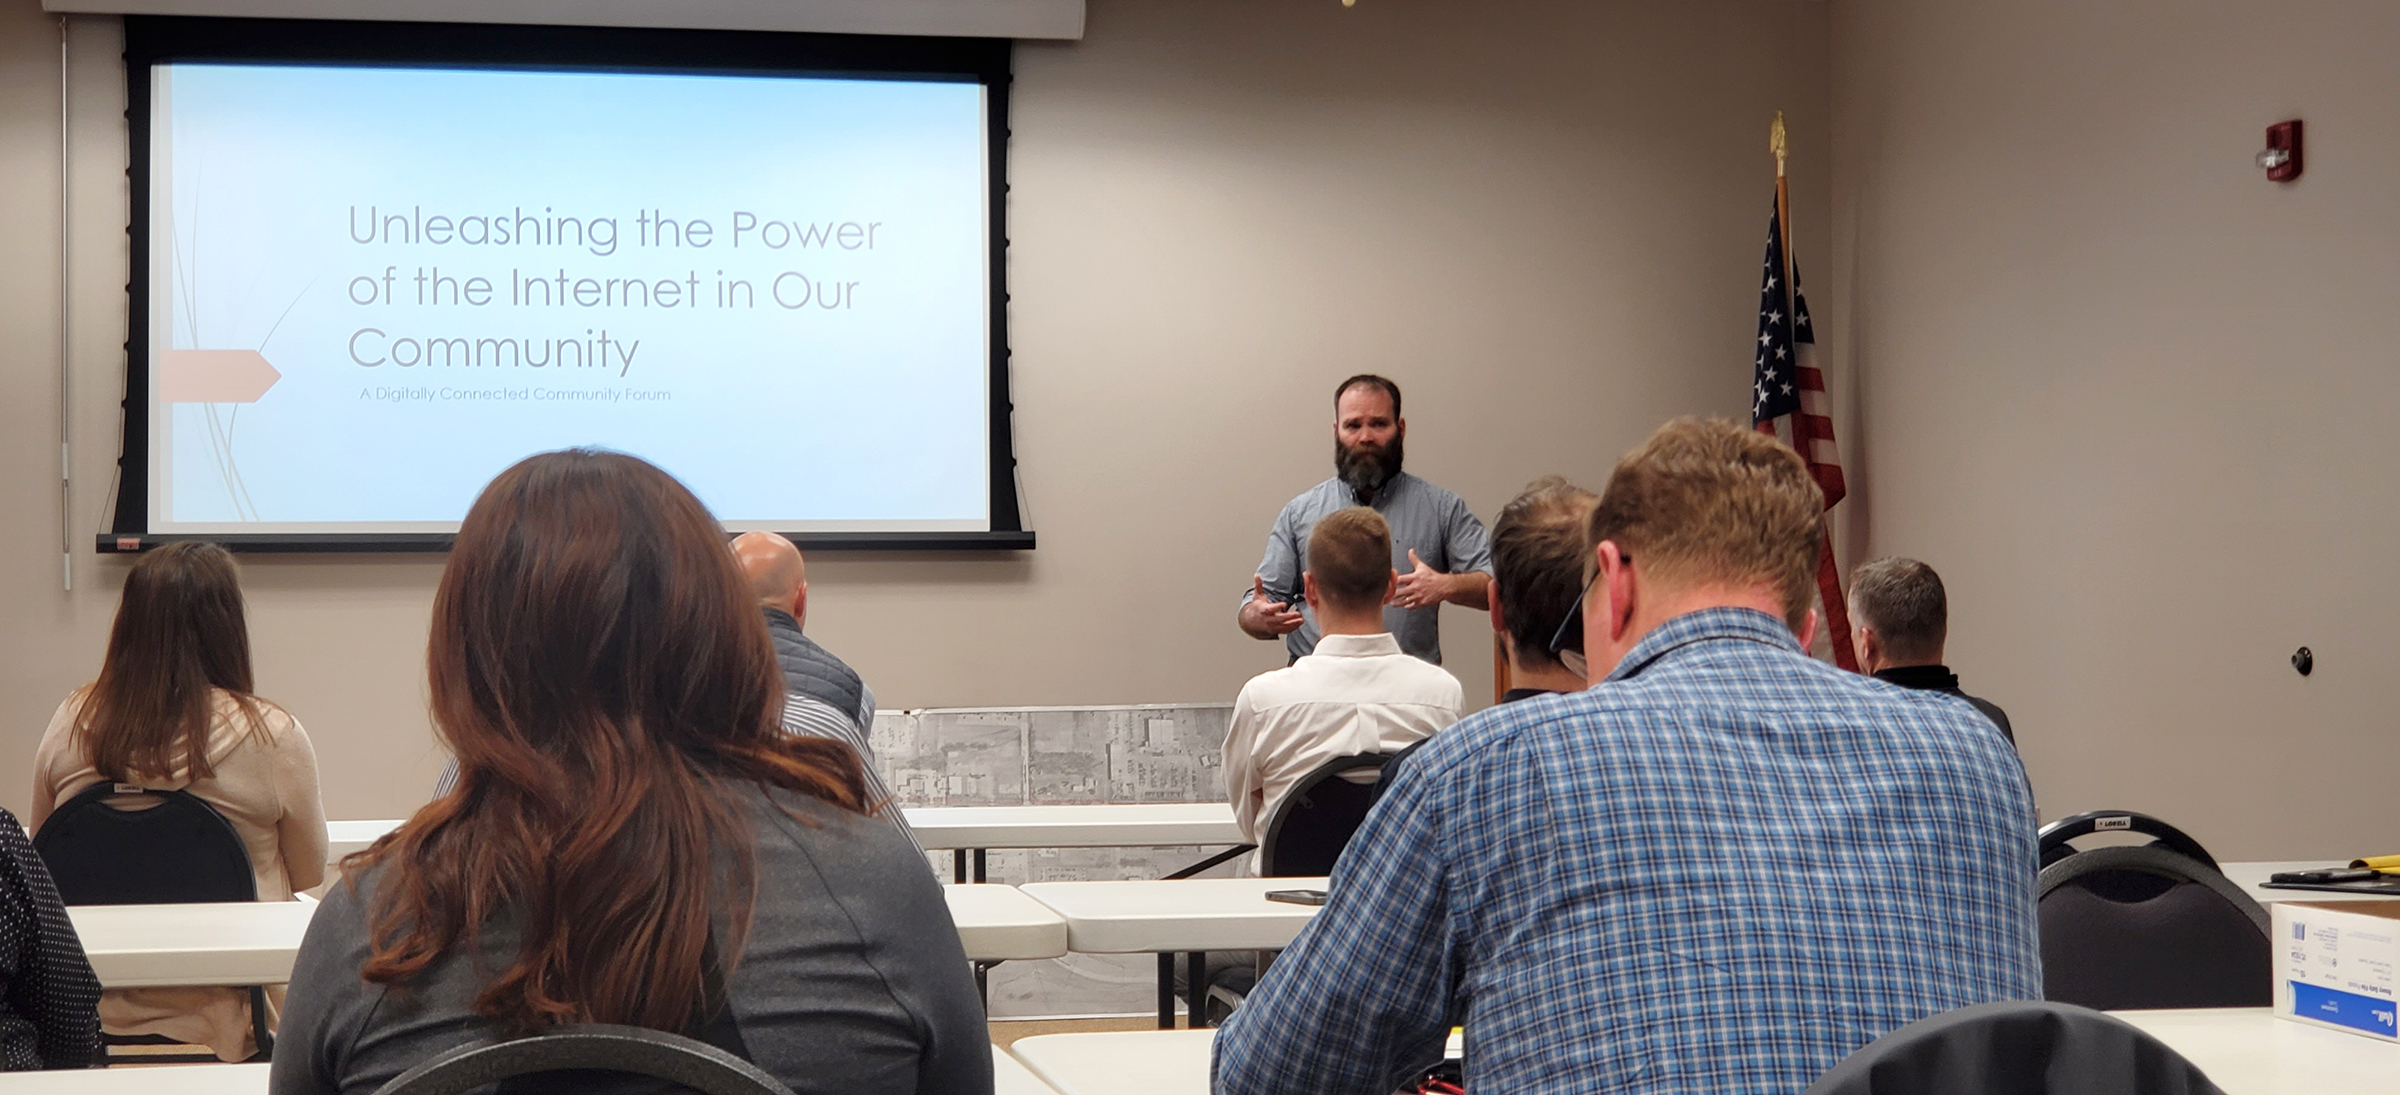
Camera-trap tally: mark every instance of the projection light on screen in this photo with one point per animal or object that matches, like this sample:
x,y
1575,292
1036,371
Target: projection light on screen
x,y
364,294
216,378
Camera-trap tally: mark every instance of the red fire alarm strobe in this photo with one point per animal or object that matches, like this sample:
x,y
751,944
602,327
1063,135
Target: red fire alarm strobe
x,y
2282,157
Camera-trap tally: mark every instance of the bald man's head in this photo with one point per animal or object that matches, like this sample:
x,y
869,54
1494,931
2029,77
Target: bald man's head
x,y
777,574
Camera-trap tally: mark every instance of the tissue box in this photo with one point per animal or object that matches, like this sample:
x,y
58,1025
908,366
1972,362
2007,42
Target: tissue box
x,y
2335,964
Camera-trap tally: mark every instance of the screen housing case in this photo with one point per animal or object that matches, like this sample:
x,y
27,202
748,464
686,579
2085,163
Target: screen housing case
x,y
152,40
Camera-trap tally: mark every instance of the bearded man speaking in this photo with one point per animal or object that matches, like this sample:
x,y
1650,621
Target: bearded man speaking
x,y
1438,547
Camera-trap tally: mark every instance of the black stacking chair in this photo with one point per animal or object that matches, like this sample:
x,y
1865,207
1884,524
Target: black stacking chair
x,y
150,848
2018,1047
2058,838
1311,826
564,1060
2145,927
1316,819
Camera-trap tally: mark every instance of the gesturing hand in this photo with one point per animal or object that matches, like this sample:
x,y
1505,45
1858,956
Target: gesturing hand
x,y
1265,617
1421,586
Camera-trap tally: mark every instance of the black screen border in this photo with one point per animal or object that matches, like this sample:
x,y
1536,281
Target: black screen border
x,y
150,40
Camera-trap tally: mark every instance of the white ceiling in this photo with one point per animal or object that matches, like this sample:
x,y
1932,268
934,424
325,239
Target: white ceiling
x,y
964,18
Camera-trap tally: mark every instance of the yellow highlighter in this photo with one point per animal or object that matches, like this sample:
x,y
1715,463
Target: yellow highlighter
x,y
2385,864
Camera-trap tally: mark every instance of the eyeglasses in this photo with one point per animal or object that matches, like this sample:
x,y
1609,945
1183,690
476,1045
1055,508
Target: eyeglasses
x,y
1569,636
1568,639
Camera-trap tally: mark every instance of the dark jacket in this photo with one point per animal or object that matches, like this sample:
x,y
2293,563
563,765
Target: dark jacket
x,y
811,670
1939,678
49,1000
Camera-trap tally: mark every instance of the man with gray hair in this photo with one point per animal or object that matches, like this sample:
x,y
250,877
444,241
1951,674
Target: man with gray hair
x,y
1903,618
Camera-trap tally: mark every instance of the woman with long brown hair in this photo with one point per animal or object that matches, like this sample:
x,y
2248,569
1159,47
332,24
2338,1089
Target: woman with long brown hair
x,y
631,838
173,709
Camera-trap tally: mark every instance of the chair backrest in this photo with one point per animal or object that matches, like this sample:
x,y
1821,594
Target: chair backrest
x,y
1317,816
2016,1047
172,849
2149,928
2056,839
579,1051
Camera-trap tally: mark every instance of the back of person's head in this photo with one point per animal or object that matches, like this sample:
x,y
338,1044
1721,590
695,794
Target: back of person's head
x,y
1706,502
180,633
601,671
1350,556
772,565
1903,602
1537,561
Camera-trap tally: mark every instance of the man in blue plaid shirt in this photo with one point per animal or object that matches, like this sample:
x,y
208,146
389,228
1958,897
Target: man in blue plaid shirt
x,y
1722,869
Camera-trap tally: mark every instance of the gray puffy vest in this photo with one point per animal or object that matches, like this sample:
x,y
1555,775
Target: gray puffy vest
x,y
811,670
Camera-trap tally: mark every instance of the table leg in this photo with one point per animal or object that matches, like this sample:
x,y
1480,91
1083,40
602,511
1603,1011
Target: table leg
x,y
1195,990
978,864
1166,992
983,986
958,865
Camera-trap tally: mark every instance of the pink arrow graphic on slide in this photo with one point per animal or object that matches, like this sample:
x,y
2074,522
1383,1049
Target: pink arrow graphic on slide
x,y
214,376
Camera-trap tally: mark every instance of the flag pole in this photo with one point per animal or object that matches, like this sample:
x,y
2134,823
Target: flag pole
x,y
1783,203
1775,144
1829,572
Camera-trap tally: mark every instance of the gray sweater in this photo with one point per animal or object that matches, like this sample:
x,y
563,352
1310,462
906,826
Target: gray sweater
x,y
852,979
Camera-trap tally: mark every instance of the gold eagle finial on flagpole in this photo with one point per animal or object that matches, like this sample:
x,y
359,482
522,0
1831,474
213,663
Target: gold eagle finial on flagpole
x,y
1775,142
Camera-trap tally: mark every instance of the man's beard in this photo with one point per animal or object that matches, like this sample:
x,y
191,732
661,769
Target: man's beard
x,y
1367,467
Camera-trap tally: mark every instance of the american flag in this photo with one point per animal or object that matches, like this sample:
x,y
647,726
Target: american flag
x,y
1787,398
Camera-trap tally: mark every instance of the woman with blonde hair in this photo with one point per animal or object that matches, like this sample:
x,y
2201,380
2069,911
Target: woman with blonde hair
x,y
631,838
174,709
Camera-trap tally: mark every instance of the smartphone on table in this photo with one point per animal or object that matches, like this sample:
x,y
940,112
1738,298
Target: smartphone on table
x,y
1297,897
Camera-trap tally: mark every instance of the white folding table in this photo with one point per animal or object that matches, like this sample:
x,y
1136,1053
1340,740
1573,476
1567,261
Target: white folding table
x,y
2248,1051
974,829
2245,1051
1191,915
345,837
1142,1062
255,942
998,924
229,943
1010,1077
142,1080
2250,876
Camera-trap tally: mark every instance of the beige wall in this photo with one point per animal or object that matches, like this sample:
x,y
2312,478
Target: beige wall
x,y
2134,401
1543,218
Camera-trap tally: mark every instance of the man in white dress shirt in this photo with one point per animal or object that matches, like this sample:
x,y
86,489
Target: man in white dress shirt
x,y
1356,693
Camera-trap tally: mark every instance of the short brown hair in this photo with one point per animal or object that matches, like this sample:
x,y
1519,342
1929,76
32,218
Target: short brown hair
x,y
1706,501
1350,553
1372,381
1903,601
1537,543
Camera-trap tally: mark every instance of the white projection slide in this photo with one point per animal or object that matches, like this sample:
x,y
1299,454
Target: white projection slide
x,y
371,289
